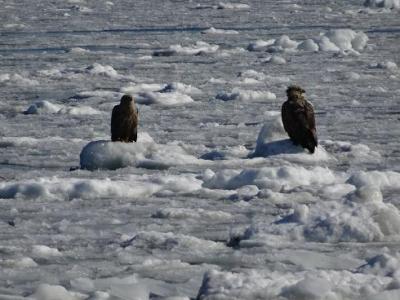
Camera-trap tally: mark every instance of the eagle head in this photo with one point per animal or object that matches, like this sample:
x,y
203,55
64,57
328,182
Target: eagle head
x,y
126,100
294,90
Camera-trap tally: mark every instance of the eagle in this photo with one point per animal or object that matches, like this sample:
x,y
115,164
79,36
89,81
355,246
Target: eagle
x,y
298,119
124,121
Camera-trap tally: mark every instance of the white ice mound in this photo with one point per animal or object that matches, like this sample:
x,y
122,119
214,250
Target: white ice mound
x,y
296,285
165,99
309,45
390,4
260,45
46,107
274,178
378,179
144,153
43,107
354,221
171,94
342,40
52,292
17,79
272,141
352,153
246,95
282,44
198,48
102,70
229,5
213,30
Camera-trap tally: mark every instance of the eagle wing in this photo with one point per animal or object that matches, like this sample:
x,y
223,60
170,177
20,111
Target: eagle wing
x,y
124,124
133,123
299,122
115,124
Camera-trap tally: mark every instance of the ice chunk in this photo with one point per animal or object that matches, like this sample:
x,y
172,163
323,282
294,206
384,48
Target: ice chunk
x,y
104,70
307,289
308,45
246,95
213,30
165,99
260,45
199,47
43,107
53,292
229,5
390,4
46,107
270,177
272,141
44,251
344,40
143,153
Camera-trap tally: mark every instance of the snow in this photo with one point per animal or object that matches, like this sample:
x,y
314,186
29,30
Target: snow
x,y
213,201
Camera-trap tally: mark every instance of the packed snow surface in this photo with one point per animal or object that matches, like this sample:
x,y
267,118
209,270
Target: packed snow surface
x,y
213,201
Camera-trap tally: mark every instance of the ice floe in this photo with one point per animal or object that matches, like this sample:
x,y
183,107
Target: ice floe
x,y
272,141
213,30
274,178
230,5
165,99
260,45
171,94
46,107
18,79
390,4
335,40
69,189
246,95
53,292
198,48
144,153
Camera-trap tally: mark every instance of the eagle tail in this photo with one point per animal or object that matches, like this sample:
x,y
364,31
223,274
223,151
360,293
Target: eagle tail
x,y
311,141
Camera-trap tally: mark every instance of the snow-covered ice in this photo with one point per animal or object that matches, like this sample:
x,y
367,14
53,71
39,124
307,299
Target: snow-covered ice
x,y
213,201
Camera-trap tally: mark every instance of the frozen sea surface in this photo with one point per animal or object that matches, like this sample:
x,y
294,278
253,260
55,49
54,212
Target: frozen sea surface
x,y
213,202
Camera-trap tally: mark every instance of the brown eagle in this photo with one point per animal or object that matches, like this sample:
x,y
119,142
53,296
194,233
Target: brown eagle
x,y
298,119
124,121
